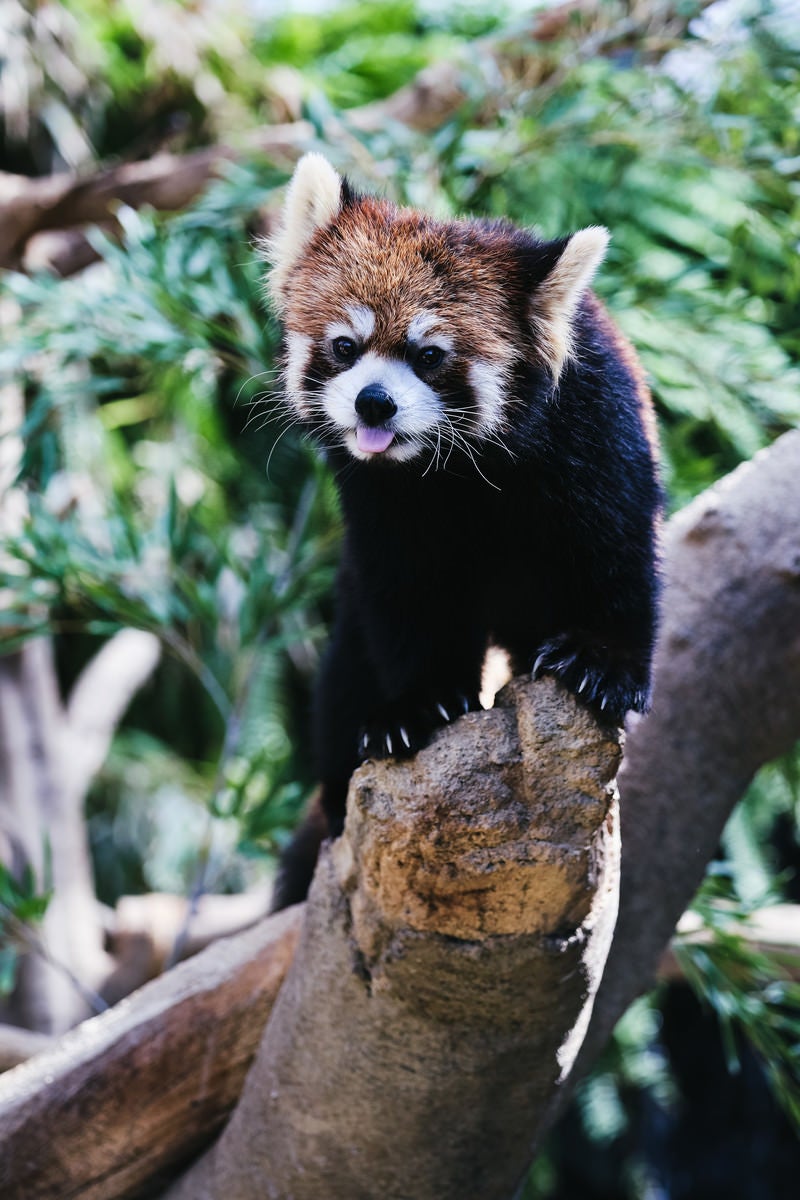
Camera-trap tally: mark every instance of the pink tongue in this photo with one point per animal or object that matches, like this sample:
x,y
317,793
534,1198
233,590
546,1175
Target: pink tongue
x,y
373,441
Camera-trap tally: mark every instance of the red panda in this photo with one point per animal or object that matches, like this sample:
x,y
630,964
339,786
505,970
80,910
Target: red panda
x,y
491,436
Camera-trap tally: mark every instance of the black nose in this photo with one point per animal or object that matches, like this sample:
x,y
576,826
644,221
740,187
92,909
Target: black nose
x,y
374,405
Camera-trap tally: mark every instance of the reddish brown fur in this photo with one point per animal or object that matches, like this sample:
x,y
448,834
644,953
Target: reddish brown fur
x,y
399,263
631,360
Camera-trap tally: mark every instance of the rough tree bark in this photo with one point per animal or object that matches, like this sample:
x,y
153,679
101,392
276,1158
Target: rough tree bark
x,y
454,939
172,1061
727,700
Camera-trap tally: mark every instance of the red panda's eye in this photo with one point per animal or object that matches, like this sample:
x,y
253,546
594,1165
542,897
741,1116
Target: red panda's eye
x,y
345,349
430,358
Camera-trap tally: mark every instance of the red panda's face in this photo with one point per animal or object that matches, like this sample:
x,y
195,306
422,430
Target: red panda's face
x,y
377,396
402,334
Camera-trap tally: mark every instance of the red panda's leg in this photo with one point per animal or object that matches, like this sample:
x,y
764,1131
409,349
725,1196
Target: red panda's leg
x,y
345,692
427,680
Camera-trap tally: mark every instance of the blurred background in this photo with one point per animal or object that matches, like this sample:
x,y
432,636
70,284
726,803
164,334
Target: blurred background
x,y
150,482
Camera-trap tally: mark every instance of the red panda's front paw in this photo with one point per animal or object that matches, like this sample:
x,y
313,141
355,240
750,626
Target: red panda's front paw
x,y
609,682
399,730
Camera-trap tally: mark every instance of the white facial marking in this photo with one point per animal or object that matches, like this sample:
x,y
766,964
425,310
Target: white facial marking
x,y
363,319
419,408
488,382
298,353
359,327
427,327
422,323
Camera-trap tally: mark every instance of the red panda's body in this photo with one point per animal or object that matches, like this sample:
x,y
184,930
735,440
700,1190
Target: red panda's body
x,y
491,438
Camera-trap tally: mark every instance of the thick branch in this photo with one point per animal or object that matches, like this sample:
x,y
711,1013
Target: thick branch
x,y
167,182
727,700
454,938
465,884
135,1091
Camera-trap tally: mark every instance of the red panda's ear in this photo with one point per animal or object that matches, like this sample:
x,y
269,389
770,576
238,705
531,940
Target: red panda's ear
x,y
557,296
313,199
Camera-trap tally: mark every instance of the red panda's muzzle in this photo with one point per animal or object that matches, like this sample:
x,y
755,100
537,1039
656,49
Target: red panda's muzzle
x,y
374,407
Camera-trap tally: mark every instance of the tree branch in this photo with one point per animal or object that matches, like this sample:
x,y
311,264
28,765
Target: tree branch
x,y
145,929
48,757
99,698
167,181
468,882
133,1092
727,701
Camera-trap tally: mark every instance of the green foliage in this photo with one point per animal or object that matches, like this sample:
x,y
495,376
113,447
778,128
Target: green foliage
x,y
747,989
769,812
92,78
362,52
149,505
22,907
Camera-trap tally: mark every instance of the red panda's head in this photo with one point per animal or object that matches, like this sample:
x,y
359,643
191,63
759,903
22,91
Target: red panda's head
x,y
403,333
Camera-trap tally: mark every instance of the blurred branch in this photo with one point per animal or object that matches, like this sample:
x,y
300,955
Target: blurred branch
x,y
144,931
44,831
49,754
100,696
163,1072
726,701
168,182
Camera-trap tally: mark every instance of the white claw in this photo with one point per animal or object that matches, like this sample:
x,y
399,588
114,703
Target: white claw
x,y
604,702
465,703
364,742
389,745
443,711
583,683
405,738
537,665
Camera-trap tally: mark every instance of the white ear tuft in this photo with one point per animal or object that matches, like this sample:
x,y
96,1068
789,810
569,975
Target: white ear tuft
x,y
557,297
312,200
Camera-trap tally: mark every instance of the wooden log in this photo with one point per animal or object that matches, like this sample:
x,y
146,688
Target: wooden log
x,y
128,1096
167,181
